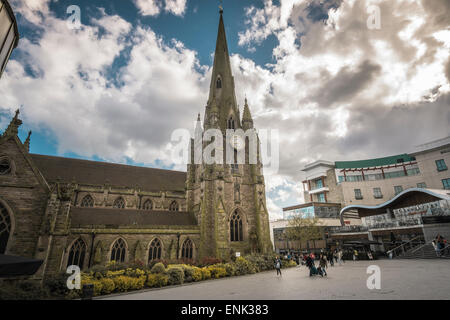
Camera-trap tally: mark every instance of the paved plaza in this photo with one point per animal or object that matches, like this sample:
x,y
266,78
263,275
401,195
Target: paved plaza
x,y
400,279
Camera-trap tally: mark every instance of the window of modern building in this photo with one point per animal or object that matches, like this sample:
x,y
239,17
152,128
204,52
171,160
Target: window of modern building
x,y
5,228
236,233
446,184
118,251
119,203
422,185
398,189
377,193
321,197
319,183
187,249
148,205
440,165
77,253
87,201
358,194
173,206
154,252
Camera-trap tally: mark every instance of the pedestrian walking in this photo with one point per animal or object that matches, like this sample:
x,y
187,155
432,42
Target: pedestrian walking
x,y
278,266
323,264
339,257
355,255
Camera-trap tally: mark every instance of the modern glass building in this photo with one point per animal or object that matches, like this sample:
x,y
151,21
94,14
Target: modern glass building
x,y
9,34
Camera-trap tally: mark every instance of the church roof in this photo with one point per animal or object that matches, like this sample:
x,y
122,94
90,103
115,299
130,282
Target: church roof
x,y
112,218
99,173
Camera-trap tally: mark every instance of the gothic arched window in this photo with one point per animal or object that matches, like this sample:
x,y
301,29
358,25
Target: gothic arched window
x,y
5,228
219,83
87,201
118,251
148,205
174,206
230,123
236,232
119,203
154,252
77,253
187,249
5,166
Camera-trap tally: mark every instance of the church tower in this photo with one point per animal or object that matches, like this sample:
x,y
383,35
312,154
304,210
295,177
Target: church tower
x,y
228,200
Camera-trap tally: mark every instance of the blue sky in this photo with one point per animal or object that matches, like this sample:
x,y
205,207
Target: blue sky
x,y
334,88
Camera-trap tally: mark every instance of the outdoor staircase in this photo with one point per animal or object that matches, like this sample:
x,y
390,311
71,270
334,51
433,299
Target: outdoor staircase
x,y
425,251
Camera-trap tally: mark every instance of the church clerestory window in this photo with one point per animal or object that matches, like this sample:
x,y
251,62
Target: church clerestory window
x,y
174,206
119,203
87,202
148,205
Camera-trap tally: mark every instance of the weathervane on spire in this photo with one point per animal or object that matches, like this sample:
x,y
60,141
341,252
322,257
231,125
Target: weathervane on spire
x,y
220,6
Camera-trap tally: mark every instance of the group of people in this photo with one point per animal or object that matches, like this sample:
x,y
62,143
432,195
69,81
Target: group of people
x,y
439,243
325,259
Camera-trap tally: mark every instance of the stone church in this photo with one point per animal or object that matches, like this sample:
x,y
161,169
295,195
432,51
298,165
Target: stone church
x,y
78,212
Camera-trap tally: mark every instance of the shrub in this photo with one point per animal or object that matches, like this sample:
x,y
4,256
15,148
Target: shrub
x,y
98,285
98,271
206,274
57,285
157,280
24,290
229,268
218,271
108,285
159,268
243,266
197,274
176,275
121,283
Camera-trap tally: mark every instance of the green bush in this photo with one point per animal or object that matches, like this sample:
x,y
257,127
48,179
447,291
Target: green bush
x,y
197,274
217,271
159,268
157,280
206,274
23,290
243,266
176,275
108,285
57,285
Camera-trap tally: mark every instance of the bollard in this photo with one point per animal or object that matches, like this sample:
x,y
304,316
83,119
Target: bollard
x,y
87,292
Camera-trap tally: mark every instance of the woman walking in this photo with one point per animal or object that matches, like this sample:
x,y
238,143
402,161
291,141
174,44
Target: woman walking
x,y
278,266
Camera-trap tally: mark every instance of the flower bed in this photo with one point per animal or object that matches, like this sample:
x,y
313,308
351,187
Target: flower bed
x,y
115,278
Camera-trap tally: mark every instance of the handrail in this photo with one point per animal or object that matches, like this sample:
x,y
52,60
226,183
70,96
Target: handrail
x,y
403,244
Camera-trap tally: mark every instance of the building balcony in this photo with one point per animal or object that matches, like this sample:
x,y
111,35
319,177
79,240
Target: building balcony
x,y
318,190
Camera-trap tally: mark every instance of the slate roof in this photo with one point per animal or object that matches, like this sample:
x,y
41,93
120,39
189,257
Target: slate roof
x,y
113,218
99,173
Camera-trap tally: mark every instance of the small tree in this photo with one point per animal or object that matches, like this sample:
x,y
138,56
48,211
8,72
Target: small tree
x,y
304,229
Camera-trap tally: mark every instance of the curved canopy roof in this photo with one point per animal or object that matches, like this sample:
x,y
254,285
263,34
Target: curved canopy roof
x,y
378,162
406,198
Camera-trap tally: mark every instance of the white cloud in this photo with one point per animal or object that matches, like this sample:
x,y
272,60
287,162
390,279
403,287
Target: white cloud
x,y
154,7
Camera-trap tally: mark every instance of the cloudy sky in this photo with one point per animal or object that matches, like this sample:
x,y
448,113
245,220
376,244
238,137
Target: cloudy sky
x,y
335,85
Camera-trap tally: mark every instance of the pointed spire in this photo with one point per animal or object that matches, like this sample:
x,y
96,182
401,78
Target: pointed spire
x,y
247,121
222,82
26,144
13,127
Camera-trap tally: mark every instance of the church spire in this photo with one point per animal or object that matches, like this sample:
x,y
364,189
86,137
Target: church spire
x,y
247,121
222,81
13,128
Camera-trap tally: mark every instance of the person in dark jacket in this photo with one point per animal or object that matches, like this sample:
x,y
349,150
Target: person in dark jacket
x,y
278,265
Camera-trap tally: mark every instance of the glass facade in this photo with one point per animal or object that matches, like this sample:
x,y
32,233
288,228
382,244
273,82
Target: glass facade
x,y
440,165
9,35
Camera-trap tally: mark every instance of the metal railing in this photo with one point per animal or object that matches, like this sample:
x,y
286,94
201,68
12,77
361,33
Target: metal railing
x,y
401,249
